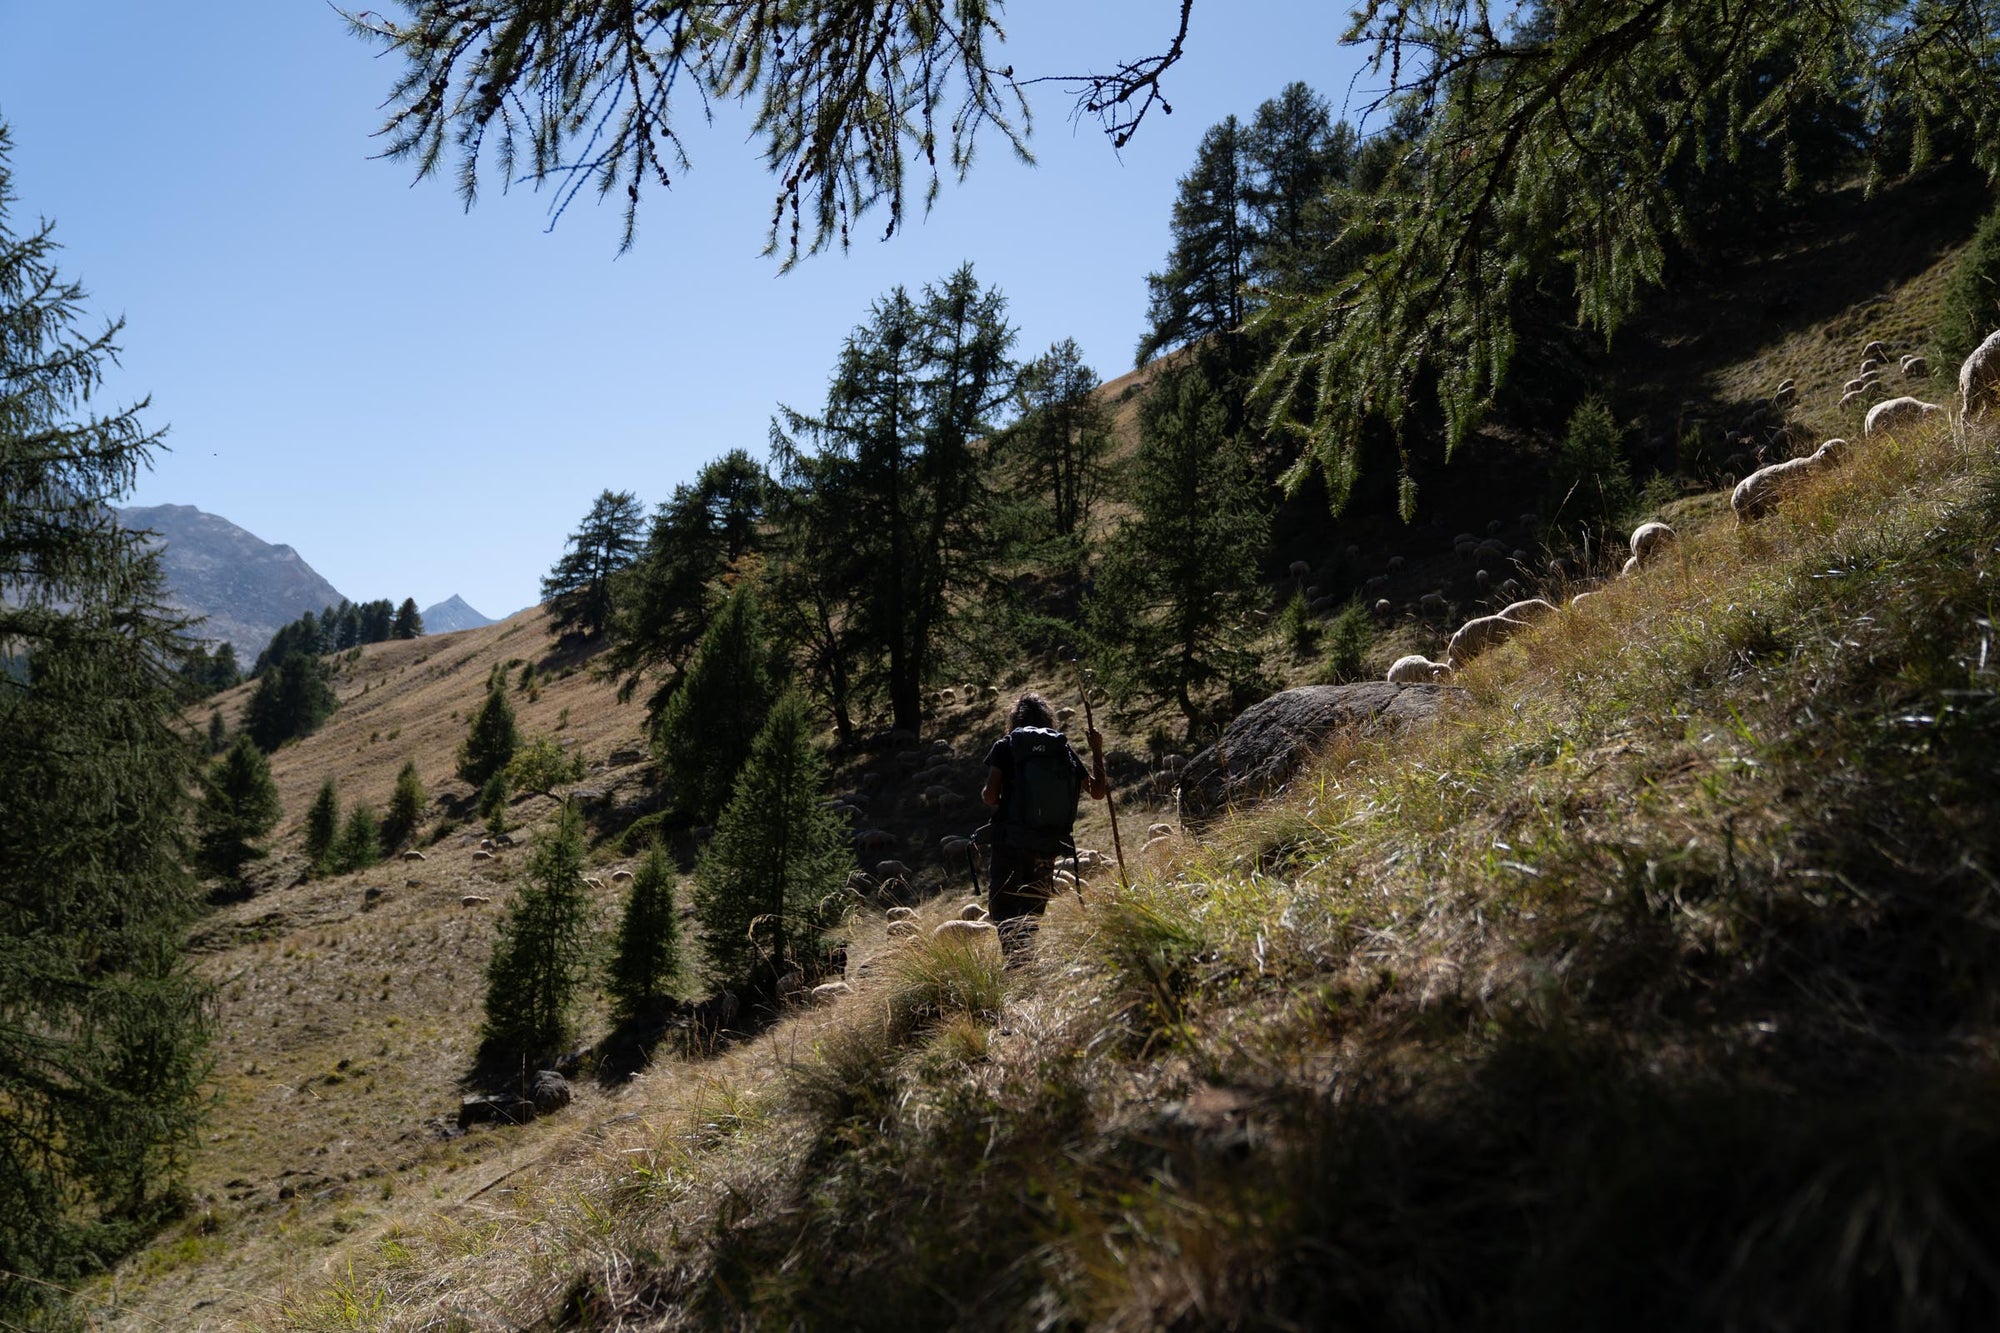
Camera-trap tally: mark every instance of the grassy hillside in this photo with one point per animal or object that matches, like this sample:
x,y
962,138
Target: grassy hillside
x,y
1653,986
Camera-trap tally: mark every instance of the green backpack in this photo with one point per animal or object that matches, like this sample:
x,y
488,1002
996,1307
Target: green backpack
x,y
1042,794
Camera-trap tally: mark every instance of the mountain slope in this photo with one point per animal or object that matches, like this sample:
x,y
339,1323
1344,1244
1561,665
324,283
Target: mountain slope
x,y
244,587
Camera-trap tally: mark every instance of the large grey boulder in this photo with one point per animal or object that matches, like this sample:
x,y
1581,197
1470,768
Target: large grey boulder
x,y
1261,749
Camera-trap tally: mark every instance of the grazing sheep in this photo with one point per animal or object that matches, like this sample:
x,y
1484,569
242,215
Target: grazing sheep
x,y
1581,598
414,855
1300,569
1531,610
593,881
1529,518
1785,396
904,930
1476,636
1383,606
967,932
1395,563
1629,568
1979,379
874,839
1495,527
1379,581
829,991
1063,715
1509,589
1431,601
1311,591
1320,606
1916,367
620,876
1755,495
888,870
1897,413
1353,552
473,900
954,846
1874,349
1174,763
1852,396
1650,540
1465,539
1482,578
1416,669
972,912
1871,364
1066,878
948,696
1160,831
900,913
482,856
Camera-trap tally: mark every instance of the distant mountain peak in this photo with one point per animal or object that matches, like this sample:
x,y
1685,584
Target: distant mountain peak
x,y
243,587
453,613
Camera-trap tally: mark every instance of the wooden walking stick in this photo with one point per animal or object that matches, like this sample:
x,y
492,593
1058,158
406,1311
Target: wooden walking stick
x,y
1110,806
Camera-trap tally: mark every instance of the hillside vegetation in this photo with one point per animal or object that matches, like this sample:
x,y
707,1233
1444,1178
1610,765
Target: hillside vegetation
x,y
1651,986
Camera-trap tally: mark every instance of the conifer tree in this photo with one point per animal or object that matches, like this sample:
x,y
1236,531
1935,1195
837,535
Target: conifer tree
x,y
1180,577
292,699
102,1065
406,807
409,621
646,960
1201,290
1061,442
490,740
360,843
218,732
322,826
239,806
541,765
704,734
541,958
767,886
578,589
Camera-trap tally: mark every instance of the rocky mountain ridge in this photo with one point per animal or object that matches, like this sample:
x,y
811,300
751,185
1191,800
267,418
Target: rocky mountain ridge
x,y
242,586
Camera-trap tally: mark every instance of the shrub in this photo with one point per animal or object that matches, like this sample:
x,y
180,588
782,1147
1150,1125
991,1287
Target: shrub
x,y
1348,639
493,803
1297,629
1971,306
541,765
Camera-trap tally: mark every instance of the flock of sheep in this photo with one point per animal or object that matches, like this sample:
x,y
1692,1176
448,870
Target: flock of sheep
x,y
1753,497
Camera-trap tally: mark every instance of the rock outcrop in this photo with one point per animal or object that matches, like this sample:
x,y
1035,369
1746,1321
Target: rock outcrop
x,y
1261,749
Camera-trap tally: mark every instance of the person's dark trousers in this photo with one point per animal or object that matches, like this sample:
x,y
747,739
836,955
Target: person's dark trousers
x,y
1021,884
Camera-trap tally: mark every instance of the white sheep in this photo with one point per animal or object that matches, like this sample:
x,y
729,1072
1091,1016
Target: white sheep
x,y
1872,363
829,991
1528,611
904,930
972,912
1874,349
1979,379
1383,606
473,900
1757,493
966,932
1583,597
1886,418
1476,636
1852,396
1431,601
414,855
888,870
621,876
900,913
1650,540
1916,367
482,856
1416,669
1629,568
1160,830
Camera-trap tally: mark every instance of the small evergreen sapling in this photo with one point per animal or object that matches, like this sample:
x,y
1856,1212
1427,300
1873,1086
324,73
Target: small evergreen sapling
x,y
322,826
239,806
541,958
647,959
360,842
493,804
767,888
541,765
406,808
490,741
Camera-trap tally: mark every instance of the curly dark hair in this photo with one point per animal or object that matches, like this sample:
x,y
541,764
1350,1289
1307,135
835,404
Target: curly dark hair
x,y
1031,710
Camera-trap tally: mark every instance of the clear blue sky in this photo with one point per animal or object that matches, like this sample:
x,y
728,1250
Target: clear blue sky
x,y
423,400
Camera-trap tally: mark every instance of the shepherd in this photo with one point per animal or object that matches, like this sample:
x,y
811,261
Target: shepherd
x,y
1033,781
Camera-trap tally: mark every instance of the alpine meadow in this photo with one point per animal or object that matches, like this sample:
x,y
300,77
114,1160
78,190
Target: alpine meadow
x,y
1459,788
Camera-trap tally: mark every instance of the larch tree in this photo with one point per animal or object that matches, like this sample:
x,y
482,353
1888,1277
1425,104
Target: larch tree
x,y
103,1025
409,622
646,959
767,889
239,805
897,464
1200,292
490,739
406,807
578,589
542,956
704,733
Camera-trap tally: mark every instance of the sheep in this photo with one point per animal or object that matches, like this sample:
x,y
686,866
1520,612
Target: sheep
x,y
1509,589
620,876
1531,610
900,913
1785,396
1651,539
414,855
1757,493
1395,563
1174,763
1476,636
1376,583
1383,607
1529,518
829,991
1581,598
1874,349
482,856
990,693
1353,552
1431,601
948,696
1482,578
1872,363
888,870
972,912
593,881
1916,368
1299,569
874,839
936,790
1320,606
1160,831
955,846
1979,379
1311,591
966,932
1852,396
1416,669
1886,418
1065,878
904,930
1465,539
1494,528
1629,568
